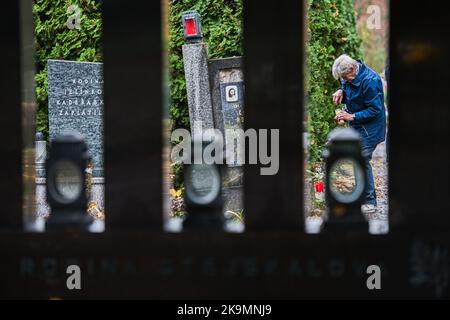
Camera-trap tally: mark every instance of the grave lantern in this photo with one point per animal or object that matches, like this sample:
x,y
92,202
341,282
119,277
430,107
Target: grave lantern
x,y
203,188
66,183
192,26
346,180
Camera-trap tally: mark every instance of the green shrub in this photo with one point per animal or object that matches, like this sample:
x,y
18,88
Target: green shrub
x,y
54,40
331,32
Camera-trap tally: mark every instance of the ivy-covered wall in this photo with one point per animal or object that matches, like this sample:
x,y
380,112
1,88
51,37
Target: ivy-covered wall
x,y
331,32
54,40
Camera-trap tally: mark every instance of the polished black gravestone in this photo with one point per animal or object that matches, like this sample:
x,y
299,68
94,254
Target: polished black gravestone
x,y
75,103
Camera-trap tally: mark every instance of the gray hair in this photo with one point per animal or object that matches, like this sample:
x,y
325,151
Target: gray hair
x,y
343,65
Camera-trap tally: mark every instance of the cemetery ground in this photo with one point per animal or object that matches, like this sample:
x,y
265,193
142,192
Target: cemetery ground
x,y
174,204
380,173
316,211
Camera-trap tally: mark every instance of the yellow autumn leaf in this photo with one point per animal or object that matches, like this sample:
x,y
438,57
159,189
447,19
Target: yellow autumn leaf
x,y
175,193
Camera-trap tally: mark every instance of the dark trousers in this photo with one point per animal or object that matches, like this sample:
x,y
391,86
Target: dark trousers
x,y
371,195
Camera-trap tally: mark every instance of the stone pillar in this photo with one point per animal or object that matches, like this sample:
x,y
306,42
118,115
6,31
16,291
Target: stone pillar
x,y
42,207
195,57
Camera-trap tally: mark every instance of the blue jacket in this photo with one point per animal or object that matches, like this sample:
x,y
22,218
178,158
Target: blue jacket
x,y
364,98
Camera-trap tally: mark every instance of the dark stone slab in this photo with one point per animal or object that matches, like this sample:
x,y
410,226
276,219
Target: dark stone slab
x,y
418,146
11,159
133,127
274,98
75,102
253,265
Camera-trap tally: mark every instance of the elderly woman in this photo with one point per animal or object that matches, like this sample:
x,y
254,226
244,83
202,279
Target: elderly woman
x,y
362,92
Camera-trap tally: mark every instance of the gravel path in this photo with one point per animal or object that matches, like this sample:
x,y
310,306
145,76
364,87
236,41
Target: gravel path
x,y
380,174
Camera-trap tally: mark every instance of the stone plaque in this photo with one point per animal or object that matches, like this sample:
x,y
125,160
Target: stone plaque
x,y
232,96
75,103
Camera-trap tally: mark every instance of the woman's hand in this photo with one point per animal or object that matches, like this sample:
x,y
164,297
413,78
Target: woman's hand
x,y
344,116
338,96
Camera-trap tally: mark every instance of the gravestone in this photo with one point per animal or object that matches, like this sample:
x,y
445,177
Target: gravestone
x,y
75,103
227,95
